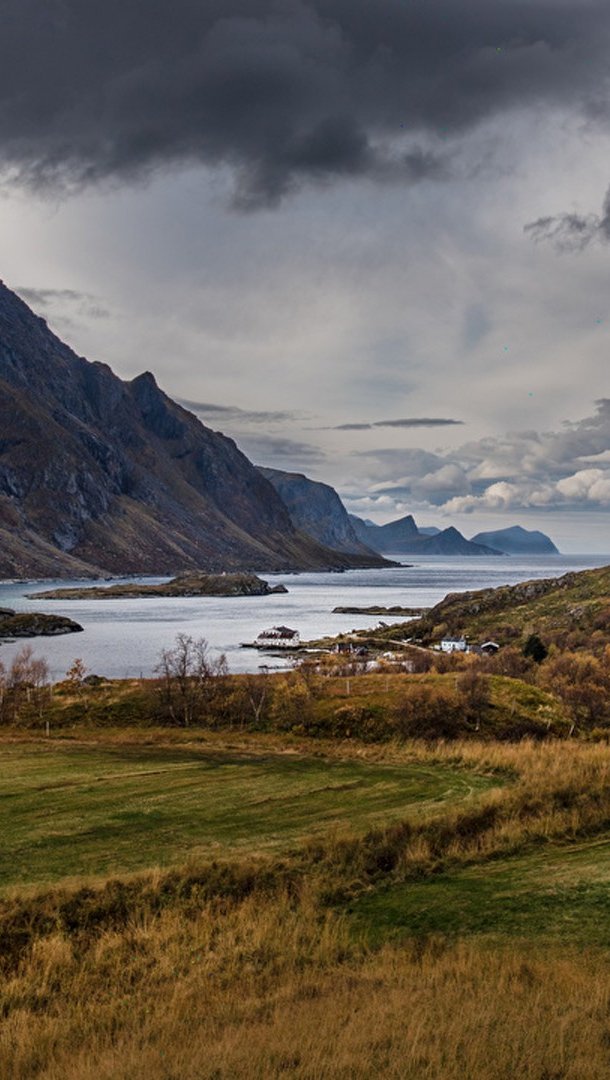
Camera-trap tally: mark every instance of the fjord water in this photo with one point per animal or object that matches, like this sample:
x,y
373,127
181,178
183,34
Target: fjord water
x,y
123,638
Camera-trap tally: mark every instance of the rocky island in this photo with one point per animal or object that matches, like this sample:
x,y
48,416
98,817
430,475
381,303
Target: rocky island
x,y
376,610
26,624
192,584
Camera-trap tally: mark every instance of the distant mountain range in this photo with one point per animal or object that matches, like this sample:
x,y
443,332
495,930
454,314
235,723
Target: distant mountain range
x,y
403,537
101,476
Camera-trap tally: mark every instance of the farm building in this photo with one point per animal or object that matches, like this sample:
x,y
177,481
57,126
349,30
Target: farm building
x,y
278,637
450,645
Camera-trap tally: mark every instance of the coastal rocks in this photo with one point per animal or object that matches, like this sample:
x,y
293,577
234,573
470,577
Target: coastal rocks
x,y
34,624
184,585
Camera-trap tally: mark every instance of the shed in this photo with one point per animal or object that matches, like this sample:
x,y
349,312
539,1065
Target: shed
x,y
489,647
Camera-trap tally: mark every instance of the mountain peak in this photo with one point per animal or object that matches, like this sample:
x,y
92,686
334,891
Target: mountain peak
x,y
97,474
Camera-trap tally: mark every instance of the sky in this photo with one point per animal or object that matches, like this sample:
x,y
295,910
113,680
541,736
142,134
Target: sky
x,y
367,239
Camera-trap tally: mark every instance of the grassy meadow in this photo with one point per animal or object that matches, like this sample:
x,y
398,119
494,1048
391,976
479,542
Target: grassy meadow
x,y
93,810
199,904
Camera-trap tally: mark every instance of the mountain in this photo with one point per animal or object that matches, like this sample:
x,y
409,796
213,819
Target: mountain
x,y
402,537
396,536
98,475
451,542
517,541
317,510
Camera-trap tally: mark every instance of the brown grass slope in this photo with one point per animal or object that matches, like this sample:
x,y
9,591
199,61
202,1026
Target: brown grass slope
x,y
553,607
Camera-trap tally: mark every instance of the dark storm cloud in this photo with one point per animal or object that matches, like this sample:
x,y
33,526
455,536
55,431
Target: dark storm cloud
x,y
408,422
280,91
573,232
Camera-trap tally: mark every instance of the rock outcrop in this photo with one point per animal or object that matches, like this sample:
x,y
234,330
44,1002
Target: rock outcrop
x,y
27,624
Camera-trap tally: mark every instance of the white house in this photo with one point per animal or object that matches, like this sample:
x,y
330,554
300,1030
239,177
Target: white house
x,y
278,637
450,644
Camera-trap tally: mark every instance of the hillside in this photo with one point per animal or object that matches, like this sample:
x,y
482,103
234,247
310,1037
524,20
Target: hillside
x,y
576,604
317,511
100,475
517,541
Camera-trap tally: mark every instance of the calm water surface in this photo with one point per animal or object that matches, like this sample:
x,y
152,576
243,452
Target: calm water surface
x,y
123,638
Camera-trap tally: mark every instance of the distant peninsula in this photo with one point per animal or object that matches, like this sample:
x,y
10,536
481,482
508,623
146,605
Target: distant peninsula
x,y
26,624
184,585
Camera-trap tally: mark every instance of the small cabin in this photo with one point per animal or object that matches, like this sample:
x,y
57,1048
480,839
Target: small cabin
x,y
489,648
451,645
278,637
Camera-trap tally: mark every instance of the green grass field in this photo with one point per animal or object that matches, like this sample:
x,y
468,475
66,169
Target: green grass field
x,y
557,893
70,810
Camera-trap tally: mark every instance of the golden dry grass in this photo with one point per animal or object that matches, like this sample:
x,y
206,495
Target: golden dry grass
x,y
271,992
271,983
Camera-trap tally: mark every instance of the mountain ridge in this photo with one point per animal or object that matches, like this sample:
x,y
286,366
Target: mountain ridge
x,y
403,537
100,475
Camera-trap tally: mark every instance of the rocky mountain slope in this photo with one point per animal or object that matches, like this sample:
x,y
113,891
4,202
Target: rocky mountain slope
x,y
517,541
100,475
403,537
317,510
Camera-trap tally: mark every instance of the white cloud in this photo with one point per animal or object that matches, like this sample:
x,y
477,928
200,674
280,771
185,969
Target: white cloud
x,y
587,485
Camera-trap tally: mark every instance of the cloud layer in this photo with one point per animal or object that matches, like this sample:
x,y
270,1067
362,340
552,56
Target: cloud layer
x,y
568,469
280,91
407,422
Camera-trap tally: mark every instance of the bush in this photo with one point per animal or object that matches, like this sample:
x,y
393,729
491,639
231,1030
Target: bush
x,y
430,712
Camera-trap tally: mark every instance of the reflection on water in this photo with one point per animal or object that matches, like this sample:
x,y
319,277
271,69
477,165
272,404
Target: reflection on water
x,y
124,637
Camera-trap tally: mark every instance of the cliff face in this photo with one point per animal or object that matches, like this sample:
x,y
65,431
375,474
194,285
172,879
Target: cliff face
x,y
97,474
317,510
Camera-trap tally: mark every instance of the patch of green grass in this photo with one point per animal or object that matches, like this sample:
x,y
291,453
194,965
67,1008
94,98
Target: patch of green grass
x,y
561,892
74,810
